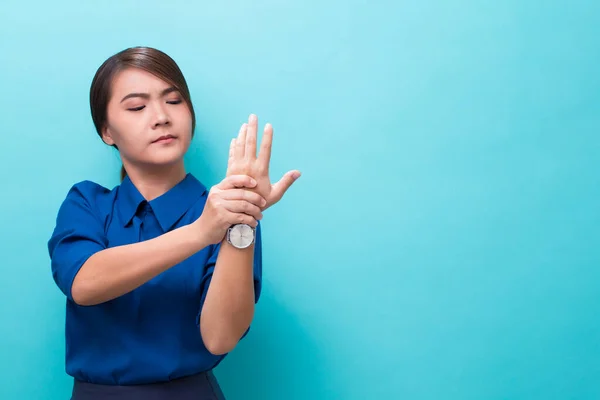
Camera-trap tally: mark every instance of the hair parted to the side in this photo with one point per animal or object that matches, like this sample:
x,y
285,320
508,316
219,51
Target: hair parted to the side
x,y
146,58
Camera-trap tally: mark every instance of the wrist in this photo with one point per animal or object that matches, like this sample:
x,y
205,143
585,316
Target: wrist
x,y
198,235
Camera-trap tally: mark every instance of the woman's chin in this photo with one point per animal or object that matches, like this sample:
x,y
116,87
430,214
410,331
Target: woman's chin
x,y
166,157
161,163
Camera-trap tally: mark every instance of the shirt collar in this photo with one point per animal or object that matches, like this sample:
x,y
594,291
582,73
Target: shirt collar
x,y
168,208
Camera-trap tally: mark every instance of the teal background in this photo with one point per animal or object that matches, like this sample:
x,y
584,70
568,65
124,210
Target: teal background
x,y
443,240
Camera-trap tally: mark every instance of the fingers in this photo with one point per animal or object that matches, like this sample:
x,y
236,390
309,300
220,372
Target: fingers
x,y
240,143
250,150
264,157
237,181
231,154
246,195
284,184
240,218
243,207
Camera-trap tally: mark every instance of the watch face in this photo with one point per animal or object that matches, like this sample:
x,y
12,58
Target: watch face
x,y
241,236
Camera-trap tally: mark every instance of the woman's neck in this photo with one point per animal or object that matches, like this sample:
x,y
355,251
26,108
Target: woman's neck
x,y
153,183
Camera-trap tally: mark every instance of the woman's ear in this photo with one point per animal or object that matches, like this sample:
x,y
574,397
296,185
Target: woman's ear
x,y
107,137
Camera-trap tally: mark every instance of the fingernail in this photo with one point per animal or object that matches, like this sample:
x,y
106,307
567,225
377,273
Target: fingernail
x,y
252,117
295,175
252,182
263,202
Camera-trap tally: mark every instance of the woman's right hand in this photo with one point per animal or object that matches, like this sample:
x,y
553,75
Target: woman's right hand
x,y
229,203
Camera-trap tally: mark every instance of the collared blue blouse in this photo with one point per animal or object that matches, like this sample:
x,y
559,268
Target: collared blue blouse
x,y
152,333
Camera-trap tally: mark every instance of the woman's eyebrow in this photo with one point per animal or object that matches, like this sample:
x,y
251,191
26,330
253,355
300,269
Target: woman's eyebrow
x,y
147,96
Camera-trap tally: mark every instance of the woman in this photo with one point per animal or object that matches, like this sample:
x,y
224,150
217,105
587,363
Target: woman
x,y
161,275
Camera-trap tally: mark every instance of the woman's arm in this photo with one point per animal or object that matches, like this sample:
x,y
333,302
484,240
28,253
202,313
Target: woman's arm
x,y
115,271
229,306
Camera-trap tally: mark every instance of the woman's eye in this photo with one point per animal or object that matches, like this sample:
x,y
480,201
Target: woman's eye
x,y
174,101
136,108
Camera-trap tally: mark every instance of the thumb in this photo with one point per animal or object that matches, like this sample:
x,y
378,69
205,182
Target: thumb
x,y
284,184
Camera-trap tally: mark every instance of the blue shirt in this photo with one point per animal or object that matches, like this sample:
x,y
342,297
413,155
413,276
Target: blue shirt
x,y
150,334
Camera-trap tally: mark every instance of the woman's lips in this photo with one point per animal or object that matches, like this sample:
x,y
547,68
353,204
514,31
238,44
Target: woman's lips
x,y
165,139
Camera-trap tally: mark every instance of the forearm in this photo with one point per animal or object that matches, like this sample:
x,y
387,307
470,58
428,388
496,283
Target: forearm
x,y
118,270
228,308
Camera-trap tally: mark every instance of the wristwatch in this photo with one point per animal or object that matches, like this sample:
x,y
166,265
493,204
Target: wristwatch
x,y
240,235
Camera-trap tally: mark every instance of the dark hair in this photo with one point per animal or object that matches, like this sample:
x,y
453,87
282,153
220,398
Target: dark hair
x,y
146,58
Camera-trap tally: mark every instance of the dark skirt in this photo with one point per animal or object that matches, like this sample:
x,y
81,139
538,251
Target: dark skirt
x,y
203,386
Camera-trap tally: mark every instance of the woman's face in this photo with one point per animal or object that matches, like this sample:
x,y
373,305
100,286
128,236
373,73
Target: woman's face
x,y
147,120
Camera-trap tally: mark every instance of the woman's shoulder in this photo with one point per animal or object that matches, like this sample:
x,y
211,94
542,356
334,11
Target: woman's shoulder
x,y
89,190
90,194
86,207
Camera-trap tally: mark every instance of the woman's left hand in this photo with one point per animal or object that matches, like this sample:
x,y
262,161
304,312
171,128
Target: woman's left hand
x,y
244,161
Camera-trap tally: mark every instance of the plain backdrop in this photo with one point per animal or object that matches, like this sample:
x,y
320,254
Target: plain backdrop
x,y
442,242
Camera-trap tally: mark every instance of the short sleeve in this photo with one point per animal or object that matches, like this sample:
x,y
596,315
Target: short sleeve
x,y
77,235
257,270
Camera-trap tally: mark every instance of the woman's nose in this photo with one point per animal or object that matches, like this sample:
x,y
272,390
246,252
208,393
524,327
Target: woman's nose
x,y
160,117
